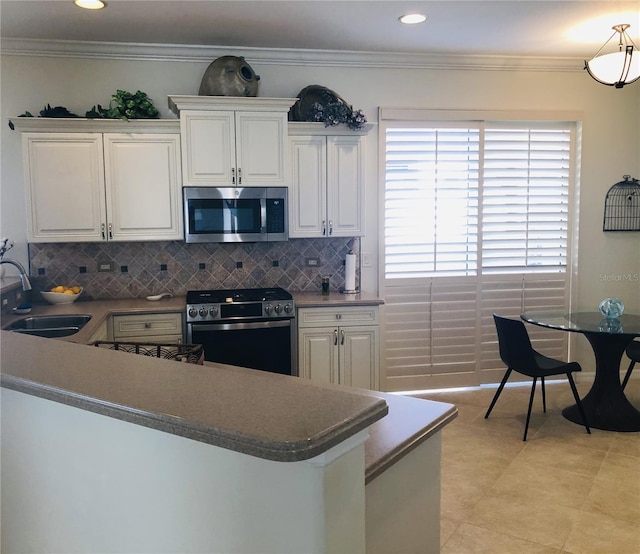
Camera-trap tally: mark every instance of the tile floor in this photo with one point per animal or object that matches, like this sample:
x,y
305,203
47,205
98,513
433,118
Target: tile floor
x,y
561,491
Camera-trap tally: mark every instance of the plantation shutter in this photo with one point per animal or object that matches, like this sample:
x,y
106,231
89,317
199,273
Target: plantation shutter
x,y
525,198
476,222
431,201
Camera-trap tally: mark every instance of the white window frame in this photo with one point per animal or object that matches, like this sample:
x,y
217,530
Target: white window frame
x,y
416,296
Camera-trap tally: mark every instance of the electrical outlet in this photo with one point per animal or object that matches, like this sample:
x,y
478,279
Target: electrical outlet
x,y
312,262
366,259
105,267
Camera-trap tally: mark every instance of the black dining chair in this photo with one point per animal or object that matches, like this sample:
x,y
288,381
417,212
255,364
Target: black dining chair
x,y
633,352
518,355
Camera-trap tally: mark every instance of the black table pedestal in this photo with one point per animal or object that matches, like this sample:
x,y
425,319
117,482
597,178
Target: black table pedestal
x,y
605,405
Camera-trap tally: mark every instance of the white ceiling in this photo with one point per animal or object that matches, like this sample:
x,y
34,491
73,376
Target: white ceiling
x,y
542,28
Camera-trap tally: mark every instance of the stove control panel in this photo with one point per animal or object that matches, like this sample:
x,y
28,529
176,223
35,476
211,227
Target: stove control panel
x,y
235,311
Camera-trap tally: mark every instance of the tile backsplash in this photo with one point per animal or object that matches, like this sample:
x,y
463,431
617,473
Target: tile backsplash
x,y
138,269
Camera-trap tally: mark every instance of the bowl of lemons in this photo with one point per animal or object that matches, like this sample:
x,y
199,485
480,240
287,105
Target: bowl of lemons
x,y
62,295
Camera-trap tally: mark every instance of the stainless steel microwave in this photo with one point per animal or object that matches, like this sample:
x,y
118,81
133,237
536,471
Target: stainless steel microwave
x,y
235,214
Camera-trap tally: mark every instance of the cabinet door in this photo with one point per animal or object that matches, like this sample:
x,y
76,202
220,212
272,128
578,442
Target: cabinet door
x,y
261,153
164,327
64,180
359,358
208,147
345,186
318,355
308,191
143,186
342,316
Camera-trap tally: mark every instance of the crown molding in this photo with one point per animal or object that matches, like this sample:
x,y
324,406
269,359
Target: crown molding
x,y
282,56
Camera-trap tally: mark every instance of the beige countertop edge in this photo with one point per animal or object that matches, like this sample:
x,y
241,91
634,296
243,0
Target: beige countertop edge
x,y
280,452
391,437
288,420
410,422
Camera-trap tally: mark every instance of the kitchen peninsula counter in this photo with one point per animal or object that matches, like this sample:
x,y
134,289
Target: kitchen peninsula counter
x,y
409,422
265,415
273,418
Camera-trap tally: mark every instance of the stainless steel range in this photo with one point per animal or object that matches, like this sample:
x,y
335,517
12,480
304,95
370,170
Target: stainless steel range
x,y
252,328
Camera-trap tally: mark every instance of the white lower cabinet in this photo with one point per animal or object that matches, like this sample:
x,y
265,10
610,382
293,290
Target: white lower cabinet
x,y
161,327
339,345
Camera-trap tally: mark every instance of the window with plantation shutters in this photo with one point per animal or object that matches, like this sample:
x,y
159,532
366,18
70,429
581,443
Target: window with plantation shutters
x,y
477,220
525,198
431,201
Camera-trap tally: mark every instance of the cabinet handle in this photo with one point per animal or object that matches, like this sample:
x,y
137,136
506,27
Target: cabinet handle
x,y
342,337
330,227
110,231
103,232
335,337
233,175
324,227
239,176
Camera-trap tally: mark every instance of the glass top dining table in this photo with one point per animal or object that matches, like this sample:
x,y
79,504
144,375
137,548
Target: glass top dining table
x,y
605,405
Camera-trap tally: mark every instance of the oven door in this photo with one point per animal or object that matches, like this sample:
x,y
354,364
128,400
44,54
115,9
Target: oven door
x,y
264,345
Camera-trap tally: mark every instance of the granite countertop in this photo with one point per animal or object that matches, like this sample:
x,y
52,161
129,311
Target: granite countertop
x,y
100,310
288,420
335,299
177,398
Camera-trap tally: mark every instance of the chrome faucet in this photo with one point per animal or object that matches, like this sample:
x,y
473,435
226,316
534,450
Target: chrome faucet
x,y
24,279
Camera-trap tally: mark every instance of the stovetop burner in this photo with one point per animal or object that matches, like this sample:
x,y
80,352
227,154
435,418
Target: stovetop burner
x,y
239,304
237,295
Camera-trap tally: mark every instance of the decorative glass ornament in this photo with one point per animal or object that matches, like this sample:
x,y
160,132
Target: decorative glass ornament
x,y
611,307
610,325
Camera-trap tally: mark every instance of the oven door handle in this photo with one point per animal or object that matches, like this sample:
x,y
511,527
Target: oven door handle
x,y
239,326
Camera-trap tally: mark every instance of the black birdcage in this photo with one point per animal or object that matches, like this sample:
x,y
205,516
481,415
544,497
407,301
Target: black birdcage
x,y
622,206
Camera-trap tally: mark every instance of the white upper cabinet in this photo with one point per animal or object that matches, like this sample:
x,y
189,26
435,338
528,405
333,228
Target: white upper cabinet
x,y
64,178
326,195
308,191
84,187
233,141
142,180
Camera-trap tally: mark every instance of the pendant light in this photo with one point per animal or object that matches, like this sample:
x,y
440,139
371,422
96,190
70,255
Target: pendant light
x,y
617,68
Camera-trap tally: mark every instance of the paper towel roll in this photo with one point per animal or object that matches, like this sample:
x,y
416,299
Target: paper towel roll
x,y
350,273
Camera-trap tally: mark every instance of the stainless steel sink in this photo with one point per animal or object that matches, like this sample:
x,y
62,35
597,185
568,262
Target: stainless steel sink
x,y
49,326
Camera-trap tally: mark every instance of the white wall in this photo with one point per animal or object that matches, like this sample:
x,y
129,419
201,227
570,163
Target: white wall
x,y
76,481
610,140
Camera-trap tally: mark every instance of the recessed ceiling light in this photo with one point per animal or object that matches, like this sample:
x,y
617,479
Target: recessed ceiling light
x,y
413,18
90,4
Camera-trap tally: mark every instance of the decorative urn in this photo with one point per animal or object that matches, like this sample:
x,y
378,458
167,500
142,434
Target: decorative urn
x,y
229,76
